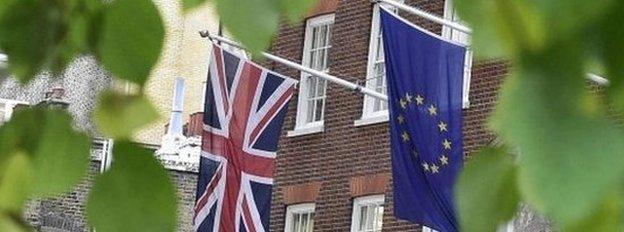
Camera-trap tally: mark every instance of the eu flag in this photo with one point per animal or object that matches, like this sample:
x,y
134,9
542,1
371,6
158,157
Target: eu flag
x,y
424,78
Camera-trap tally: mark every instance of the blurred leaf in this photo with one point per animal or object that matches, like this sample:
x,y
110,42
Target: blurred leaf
x,y
136,194
567,17
608,34
607,217
16,179
502,27
62,155
31,35
252,22
569,159
190,4
59,155
294,10
487,195
11,224
119,115
131,39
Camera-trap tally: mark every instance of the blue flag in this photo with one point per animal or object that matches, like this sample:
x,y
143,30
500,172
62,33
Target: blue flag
x,y
425,76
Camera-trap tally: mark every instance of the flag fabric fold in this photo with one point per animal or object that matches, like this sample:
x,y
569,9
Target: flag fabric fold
x,y
424,80
244,110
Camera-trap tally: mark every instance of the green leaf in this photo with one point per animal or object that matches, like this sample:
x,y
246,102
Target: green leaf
x,y
62,156
606,217
16,180
565,18
562,147
12,224
294,10
501,28
119,115
607,35
252,22
131,39
32,36
190,4
487,195
136,194
59,155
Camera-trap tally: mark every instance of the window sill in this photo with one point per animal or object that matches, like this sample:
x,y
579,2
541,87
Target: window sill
x,y
369,120
305,131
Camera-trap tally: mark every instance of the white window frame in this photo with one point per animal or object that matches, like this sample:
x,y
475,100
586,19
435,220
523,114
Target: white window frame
x,y
369,116
363,201
9,105
450,13
297,209
303,127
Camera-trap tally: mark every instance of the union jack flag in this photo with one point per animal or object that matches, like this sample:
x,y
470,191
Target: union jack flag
x,y
243,116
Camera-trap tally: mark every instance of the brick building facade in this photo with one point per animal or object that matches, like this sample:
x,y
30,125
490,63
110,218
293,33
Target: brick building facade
x,y
344,163
346,159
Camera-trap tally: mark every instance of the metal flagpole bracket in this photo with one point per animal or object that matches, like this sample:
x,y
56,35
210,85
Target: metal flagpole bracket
x,y
427,15
413,10
313,72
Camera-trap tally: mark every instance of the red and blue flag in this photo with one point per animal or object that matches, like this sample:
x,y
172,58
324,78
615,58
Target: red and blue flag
x,y
243,116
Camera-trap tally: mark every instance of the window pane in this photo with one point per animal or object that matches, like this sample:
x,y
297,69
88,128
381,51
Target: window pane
x,y
311,222
304,223
295,225
312,86
321,86
363,215
322,37
311,109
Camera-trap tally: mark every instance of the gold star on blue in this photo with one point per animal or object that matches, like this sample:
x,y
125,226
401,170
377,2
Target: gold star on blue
x,y
403,103
408,97
434,168
419,99
442,125
405,136
447,144
433,110
425,166
443,160
401,119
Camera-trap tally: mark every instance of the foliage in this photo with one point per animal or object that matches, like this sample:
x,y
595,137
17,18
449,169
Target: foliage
x,y
41,155
570,165
254,22
136,194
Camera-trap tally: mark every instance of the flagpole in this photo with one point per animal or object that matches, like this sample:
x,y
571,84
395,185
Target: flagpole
x,y
313,72
427,15
413,10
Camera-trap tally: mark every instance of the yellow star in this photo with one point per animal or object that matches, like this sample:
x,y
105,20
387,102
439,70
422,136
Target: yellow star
x,y
401,119
419,99
425,166
434,168
403,103
447,144
433,110
444,160
408,97
405,136
414,153
442,126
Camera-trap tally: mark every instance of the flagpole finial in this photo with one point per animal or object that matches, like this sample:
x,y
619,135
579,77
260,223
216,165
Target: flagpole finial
x,y
204,33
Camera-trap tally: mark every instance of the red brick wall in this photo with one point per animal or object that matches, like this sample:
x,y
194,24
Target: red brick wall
x,y
343,152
